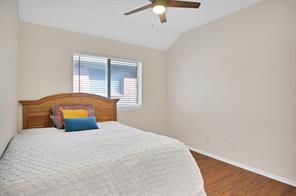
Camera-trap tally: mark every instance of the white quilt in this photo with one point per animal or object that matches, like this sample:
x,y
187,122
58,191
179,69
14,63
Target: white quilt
x,y
115,160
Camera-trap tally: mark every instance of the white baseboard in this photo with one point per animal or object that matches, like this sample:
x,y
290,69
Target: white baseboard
x,y
243,166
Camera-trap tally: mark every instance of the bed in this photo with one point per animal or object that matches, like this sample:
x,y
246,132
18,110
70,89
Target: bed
x,y
113,160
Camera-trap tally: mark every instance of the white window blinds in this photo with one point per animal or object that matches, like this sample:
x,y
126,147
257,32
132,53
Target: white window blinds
x,y
112,78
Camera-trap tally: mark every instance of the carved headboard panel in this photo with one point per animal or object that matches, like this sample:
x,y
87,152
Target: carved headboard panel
x,y
36,113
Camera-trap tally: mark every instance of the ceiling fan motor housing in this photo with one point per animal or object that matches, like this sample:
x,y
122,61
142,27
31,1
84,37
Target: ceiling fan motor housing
x,y
160,2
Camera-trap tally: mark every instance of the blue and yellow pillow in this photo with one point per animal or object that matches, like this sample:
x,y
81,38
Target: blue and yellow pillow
x,y
57,114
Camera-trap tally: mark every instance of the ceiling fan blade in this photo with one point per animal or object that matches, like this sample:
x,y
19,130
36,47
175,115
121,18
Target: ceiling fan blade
x,y
183,4
163,18
138,9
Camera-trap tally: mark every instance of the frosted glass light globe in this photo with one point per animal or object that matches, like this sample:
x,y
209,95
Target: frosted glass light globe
x,y
158,9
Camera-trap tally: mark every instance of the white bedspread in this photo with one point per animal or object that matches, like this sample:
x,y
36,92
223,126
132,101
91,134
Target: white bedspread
x,y
114,160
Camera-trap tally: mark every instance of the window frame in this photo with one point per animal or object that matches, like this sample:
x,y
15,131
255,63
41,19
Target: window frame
x,y
139,105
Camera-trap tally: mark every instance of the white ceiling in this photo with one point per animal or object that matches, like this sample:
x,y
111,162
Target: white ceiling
x,y
104,18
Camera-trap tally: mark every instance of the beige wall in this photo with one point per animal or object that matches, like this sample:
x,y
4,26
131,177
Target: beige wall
x,y
46,69
8,74
231,87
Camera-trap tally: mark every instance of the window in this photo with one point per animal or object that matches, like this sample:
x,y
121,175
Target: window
x,y
108,77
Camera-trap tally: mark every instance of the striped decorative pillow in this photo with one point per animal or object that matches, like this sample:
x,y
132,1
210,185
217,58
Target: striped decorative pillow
x,y
57,114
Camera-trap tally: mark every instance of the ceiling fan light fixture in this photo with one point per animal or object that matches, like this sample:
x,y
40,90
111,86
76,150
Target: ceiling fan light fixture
x,y
158,9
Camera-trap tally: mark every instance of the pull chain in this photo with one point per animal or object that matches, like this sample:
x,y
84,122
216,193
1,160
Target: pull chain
x,y
152,18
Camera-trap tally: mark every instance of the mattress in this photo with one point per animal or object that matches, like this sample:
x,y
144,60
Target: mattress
x,y
113,160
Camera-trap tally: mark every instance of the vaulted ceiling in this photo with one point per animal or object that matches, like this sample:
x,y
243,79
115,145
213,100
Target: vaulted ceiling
x,y
104,18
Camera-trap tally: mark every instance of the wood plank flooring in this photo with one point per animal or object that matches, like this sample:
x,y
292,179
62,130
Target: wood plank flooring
x,y
222,179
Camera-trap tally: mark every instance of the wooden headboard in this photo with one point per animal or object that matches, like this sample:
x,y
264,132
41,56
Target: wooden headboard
x,y
36,113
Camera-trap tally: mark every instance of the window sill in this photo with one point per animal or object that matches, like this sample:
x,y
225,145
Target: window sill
x,y
130,107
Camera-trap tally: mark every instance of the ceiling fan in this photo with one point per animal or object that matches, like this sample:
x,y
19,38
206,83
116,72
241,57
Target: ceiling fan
x,y
159,7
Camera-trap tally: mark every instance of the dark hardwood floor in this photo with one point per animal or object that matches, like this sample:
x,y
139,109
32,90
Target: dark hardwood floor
x,y
223,179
